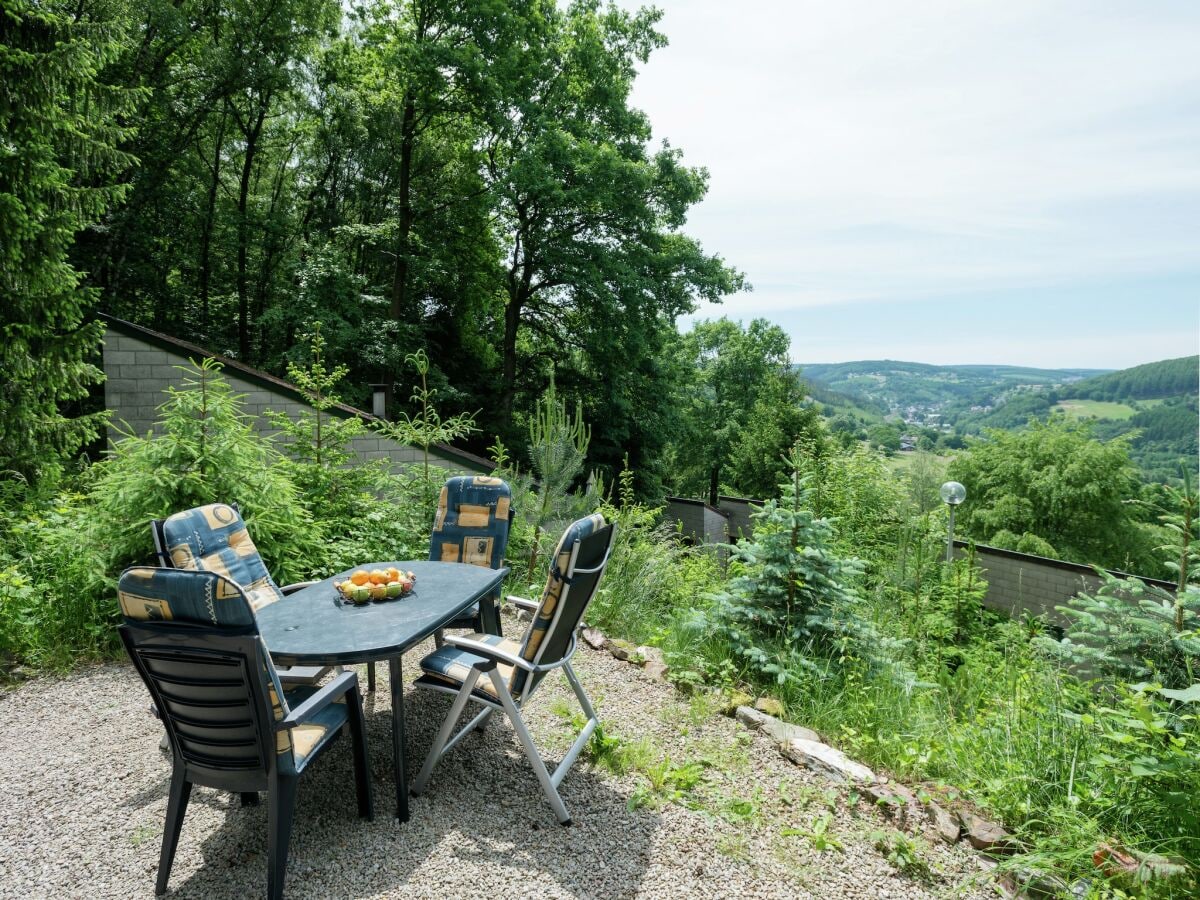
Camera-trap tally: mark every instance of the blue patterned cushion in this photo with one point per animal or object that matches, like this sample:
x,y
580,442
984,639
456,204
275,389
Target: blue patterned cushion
x,y
471,524
214,538
451,665
202,598
306,739
544,616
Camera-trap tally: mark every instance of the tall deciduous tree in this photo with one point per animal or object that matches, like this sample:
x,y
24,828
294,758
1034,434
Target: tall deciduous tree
x,y
1054,489
60,130
739,374
589,216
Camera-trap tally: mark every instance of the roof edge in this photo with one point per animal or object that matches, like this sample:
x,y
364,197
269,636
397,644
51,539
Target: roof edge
x,y
267,380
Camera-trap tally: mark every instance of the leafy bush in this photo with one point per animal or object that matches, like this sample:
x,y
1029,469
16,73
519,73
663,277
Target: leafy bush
x,y
203,450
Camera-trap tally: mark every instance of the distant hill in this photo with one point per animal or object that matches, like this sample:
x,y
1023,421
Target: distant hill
x,y
1152,381
915,390
1159,402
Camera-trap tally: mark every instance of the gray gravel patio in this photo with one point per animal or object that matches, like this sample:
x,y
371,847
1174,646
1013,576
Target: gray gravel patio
x,y
84,789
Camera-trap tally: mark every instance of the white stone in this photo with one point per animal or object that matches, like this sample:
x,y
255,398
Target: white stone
x,y
827,761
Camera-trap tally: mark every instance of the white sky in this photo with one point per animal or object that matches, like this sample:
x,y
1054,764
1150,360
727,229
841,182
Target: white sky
x,y
884,171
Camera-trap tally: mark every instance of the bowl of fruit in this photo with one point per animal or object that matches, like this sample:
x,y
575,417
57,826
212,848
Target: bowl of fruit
x,y
378,584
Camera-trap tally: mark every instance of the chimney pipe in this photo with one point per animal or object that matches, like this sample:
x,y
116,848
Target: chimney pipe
x,y
380,394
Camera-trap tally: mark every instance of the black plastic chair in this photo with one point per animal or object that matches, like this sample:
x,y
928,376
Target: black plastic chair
x,y
193,639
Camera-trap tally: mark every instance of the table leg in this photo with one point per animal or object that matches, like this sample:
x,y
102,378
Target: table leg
x,y
397,682
489,615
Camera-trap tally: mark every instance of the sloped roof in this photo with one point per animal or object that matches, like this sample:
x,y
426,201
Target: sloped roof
x,y
269,381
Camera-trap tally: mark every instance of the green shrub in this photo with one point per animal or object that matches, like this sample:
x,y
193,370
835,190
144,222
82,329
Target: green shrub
x,y
203,450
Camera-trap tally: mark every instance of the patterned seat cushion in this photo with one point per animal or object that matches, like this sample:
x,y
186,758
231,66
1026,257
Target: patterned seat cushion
x,y
214,538
320,729
450,666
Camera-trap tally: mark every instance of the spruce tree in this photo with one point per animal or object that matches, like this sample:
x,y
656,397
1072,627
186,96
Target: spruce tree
x,y
59,133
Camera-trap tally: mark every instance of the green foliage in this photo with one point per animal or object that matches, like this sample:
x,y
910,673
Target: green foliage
x,y
558,446
906,854
334,483
1054,481
62,125
54,606
650,574
427,427
1130,630
742,411
792,600
203,450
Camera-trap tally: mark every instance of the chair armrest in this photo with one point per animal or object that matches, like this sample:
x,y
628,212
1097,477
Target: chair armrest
x,y
322,698
496,654
522,603
298,586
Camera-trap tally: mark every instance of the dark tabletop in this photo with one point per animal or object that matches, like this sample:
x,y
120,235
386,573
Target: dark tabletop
x,y
315,627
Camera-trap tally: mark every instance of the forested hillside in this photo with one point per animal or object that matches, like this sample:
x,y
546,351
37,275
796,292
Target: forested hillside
x,y
910,388
1158,380
1155,403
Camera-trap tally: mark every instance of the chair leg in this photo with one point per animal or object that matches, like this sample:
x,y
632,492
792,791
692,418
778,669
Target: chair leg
x,y
370,677
531,751
443,735
281,806
439,638
362,760
177,804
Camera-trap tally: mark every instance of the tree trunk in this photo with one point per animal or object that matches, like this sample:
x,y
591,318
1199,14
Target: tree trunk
x,y
512,322
243,234
206,230
400,274
714,483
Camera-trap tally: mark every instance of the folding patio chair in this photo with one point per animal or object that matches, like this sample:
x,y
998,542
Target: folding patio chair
x,y
471,525
214,538
502,674
193,638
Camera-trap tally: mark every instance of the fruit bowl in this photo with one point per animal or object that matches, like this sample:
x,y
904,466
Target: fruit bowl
x,y
378,584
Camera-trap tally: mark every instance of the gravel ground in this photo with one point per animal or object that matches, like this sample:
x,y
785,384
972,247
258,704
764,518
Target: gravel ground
x,y
84,791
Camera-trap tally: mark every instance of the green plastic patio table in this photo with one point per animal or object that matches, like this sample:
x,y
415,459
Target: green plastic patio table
x,y
315,627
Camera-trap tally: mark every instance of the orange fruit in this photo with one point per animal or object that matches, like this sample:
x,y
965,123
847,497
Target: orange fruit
x,y
360,576
393,574
378,576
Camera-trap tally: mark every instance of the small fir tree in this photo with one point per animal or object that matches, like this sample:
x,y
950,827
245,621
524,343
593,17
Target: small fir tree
x,y
330,476
558,445
203,450
794,600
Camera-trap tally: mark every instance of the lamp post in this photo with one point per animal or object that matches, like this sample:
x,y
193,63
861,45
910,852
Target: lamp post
x,y
952,494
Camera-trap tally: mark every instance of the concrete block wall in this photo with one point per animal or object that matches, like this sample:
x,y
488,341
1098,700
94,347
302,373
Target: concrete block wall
x,y
1020,583
139,370
697,520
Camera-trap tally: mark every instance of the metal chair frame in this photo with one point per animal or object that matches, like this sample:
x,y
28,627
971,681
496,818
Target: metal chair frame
x,y
511,706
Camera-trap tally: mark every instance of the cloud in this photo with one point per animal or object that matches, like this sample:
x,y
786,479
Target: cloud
x,y
879,151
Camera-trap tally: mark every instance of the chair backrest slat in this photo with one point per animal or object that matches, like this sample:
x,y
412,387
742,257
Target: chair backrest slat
x,y
193,637
575,571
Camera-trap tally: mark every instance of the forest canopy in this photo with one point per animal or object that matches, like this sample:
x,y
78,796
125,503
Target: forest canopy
x,y
470,180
